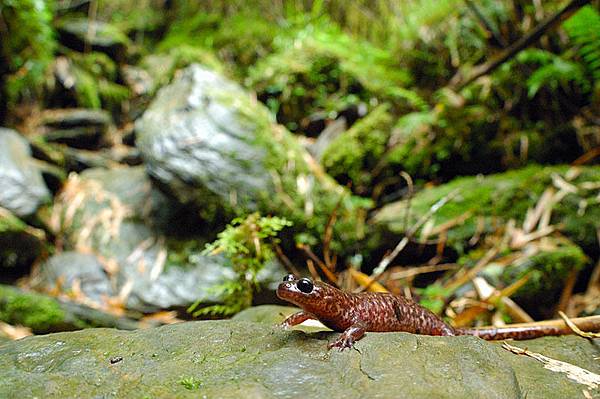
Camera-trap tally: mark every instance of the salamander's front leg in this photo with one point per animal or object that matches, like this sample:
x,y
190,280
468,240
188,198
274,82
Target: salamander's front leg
x,y
296,319
348,338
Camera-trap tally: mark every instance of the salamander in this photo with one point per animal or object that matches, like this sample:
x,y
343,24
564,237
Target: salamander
x,y
354,314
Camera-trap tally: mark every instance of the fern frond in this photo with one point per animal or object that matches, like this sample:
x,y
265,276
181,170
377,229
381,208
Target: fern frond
x,y
584,29
558,72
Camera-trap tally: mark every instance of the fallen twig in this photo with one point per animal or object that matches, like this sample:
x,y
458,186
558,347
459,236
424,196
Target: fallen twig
x,y
385,262
575,373
576,329
415,271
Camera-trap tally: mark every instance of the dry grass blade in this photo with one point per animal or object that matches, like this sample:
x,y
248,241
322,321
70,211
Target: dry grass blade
x,y
312,270
366,281
567,291
533,215
450,223
575,373
471,273
576,329
411,189
328,273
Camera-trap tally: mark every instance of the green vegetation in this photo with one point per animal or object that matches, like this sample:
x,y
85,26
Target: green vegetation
x,y
547,271
495,199
27,47
248,243
190,383
518,140
40,313
354,155
584,30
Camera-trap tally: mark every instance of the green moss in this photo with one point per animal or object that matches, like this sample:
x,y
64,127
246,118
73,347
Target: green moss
x,y
190,383
28,45
32,310
547,271
95,75
240,39
355,153
9,223
248,244
322,69
162,65
495,199
302,192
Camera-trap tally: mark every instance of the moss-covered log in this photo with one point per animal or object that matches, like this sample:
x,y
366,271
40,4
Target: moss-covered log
x,y
485,202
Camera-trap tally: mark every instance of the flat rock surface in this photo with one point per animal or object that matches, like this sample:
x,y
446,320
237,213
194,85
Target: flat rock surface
x,y
235,358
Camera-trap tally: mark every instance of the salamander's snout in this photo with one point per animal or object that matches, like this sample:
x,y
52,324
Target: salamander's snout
x,y
292,288
284,290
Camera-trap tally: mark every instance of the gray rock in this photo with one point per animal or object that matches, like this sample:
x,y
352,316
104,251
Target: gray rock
x,y
194,138
117,217
212,144
232,359
73,117
66,269
22,189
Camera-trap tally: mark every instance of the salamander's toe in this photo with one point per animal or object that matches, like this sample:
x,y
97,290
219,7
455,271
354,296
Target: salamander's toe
x,y
341,343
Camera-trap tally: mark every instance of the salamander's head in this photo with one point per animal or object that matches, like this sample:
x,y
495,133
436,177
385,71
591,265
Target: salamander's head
x,y
312,296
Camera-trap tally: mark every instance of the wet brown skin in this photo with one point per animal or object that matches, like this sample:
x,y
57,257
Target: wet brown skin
x,y
354,314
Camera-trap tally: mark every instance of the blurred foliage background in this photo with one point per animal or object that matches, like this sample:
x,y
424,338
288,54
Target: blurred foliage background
x,y
375,89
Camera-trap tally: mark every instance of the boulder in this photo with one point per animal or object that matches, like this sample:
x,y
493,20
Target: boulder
x,y
114,225
209,143
232,359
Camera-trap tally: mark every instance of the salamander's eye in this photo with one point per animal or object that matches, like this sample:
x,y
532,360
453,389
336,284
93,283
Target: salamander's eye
x,y
289,277
305,285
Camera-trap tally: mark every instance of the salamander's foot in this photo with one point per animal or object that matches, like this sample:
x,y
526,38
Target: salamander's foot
x,y
348,338
295,319
342,343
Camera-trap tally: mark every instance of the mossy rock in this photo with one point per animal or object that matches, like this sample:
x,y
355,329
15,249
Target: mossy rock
x,y
232,359
547,272
354,155
211,144
36,311
497,198
45,314
74,32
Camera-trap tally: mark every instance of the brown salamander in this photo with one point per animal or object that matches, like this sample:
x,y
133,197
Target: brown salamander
x,y
354,314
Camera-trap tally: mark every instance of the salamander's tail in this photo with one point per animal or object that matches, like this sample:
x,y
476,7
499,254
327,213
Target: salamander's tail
x,y
532,330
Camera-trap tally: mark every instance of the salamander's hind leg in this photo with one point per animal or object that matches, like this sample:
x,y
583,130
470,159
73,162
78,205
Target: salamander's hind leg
x,y
296,319
348,338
